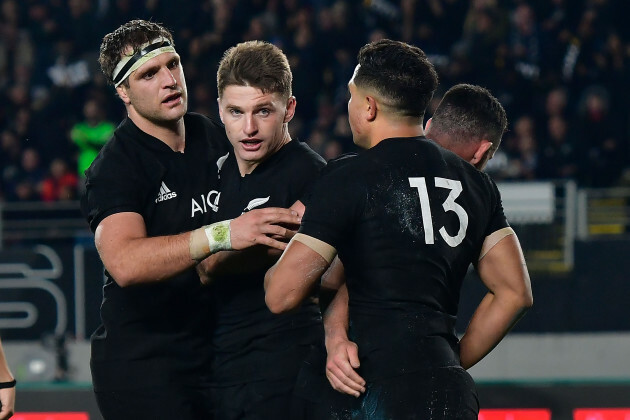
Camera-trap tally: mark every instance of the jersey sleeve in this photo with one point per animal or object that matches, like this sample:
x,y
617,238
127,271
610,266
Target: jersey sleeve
x,y
111,188
497,218
325,170
333,208
309,169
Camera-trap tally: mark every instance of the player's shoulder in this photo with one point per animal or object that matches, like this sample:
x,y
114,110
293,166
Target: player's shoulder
x,y
127,155
304,153
337,162
117,151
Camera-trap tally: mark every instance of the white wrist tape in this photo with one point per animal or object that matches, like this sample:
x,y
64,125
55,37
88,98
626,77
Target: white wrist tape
x,y
210,239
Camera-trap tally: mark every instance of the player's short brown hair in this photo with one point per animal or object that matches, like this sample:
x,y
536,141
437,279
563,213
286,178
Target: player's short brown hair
x,y
258,64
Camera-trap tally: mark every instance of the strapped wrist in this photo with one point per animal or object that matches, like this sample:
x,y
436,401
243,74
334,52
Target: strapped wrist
x,y
210,239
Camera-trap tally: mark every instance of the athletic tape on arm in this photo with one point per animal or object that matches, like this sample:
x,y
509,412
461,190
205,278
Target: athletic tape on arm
x,y
493,239
326,251
210,239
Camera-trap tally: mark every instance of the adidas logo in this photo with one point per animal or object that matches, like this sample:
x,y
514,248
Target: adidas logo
x,y
165,193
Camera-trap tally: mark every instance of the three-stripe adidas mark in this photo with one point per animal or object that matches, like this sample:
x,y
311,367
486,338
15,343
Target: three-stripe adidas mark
x,y
165,193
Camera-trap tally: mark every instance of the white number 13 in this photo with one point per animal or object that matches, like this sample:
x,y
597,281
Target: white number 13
x,y
449,205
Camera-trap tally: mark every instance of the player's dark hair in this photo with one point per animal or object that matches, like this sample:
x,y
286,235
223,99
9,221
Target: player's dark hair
x,y
399,73
469,113
132,34
258,64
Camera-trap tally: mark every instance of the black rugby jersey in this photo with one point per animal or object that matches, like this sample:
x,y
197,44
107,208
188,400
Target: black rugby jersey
x,y
251,343
407,218
154,334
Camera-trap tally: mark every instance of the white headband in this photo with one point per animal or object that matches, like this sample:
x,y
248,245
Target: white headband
x,y
130,63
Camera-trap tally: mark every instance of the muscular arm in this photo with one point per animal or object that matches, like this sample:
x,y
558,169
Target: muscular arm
x,y
289,281
132,258
7,395
502,269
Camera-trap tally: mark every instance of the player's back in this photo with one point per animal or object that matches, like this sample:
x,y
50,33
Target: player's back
x,y
412,217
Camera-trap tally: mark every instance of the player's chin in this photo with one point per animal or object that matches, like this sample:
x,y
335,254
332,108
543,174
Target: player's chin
x,y
176,110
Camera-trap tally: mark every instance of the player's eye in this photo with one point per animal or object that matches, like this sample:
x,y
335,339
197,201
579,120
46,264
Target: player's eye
x,y
235,112
173,64
264,112
148,75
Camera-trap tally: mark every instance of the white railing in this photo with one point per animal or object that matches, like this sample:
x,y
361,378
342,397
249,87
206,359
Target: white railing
x,y
543,214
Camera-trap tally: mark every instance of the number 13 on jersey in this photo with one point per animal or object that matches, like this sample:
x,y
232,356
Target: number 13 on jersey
x,y
449,204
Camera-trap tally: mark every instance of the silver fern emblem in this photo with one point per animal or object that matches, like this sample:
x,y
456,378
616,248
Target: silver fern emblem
x,y
255,203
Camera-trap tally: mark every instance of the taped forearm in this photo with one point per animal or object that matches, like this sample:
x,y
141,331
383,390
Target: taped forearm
x,y
210,239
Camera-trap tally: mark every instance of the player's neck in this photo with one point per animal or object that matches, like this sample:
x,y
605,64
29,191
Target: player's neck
x,y
172,133
390,129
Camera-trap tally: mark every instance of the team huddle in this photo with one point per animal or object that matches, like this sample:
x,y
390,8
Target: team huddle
x,y
218,238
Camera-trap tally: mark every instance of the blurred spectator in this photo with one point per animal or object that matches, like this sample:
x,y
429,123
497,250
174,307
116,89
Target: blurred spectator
x,y
524,42
90,134
558,159
60,184
10,155
517,158
69,69
527,147
25,183
562,63
475,54
602,152
556,103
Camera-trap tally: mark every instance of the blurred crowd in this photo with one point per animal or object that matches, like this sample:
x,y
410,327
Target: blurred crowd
x,y
559,67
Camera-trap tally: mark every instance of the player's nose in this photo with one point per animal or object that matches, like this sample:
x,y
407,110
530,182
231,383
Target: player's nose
x,y
250,127
167,78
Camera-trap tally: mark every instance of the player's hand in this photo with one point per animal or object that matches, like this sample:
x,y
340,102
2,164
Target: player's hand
x,y
266,226
342,360
299,207
7,403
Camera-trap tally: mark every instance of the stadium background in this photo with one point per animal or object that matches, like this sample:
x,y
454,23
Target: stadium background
x,y
559,67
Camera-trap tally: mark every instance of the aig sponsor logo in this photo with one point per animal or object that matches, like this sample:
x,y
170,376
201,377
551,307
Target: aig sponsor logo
x,y
205,203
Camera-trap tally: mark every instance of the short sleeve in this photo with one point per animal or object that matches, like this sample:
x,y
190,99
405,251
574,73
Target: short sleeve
x,y
325,170
497,219
111,188
333,208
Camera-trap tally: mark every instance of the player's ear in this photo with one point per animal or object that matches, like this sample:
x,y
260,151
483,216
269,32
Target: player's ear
x,y
370,108
121,90
291,104
427,125
481,155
